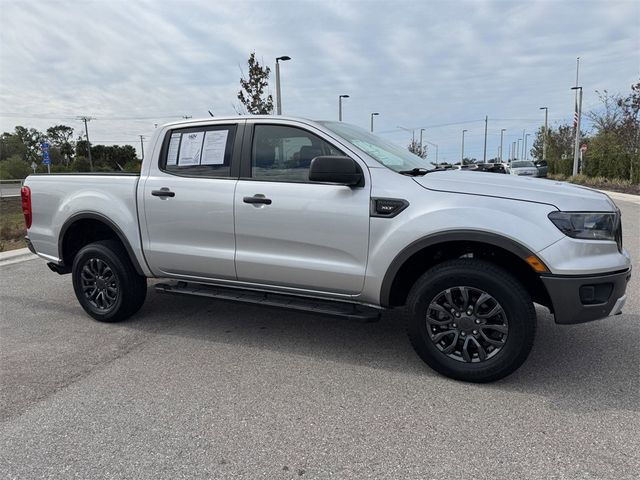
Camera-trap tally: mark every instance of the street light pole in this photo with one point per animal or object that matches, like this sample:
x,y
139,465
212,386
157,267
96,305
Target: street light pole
x,y
546,133
372,115
576,150
462,157
340,97
501,137
284,58
486,123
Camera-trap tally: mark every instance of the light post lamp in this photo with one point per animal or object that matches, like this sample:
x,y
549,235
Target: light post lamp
x,y
576,148
284,58
501,137
546,133
340,97
373,115
462,156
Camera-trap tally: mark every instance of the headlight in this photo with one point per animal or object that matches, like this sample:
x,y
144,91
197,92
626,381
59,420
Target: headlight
x,y
589,226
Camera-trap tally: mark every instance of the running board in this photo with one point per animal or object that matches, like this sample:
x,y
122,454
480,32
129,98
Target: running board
x,y
350,311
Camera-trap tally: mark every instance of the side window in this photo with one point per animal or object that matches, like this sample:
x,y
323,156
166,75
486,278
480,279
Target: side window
x,y
283,154
201,151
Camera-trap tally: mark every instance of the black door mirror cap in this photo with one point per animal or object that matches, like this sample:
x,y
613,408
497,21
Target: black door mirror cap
x,y
336,169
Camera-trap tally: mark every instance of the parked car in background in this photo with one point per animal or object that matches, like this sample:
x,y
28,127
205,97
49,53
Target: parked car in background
x,y
491,167
542,167
522,168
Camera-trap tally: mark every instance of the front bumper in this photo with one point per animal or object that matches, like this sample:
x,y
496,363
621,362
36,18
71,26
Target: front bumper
x,y
579,299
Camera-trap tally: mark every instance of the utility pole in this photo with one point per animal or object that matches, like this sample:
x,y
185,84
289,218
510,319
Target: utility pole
x,y
545,133
576,148
86,132
501,137
486,122
462,156
142,146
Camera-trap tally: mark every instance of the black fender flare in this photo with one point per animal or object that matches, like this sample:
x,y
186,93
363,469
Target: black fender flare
x,y
443,237
100,218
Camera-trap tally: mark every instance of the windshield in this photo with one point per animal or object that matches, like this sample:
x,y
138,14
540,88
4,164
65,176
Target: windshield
x,y
522,164
387,153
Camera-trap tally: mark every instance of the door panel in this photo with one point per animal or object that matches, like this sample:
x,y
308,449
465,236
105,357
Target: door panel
x,y
191,233
310,236
188,213
304,235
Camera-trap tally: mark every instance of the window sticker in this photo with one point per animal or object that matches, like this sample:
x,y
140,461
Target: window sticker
x,y
190,149
215,144
174,144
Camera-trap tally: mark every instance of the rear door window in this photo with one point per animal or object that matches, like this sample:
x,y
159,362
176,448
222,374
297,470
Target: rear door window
x,y
199,151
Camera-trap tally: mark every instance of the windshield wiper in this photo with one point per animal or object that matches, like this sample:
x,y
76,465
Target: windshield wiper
x,y
418,172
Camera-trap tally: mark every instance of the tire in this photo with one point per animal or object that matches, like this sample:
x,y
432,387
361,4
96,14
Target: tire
x,y
105,282
453,340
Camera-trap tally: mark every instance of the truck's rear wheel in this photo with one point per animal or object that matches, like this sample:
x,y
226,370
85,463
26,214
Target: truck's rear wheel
x,y
470,320
106,283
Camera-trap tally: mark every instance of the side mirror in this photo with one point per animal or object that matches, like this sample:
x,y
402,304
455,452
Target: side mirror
x,y
335,169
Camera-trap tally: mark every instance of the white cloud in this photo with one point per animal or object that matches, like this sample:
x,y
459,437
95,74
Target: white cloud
x,y
417,63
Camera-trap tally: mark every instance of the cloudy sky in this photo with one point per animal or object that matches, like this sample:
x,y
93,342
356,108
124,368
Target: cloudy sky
x,y
439,65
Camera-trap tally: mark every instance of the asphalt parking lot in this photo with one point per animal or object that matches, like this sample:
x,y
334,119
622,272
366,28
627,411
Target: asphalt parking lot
x,y
193,388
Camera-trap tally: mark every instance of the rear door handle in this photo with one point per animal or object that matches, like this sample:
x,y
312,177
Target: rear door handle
x,y
163,192
257,199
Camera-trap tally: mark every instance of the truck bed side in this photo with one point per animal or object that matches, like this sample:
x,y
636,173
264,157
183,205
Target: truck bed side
x,y
59,201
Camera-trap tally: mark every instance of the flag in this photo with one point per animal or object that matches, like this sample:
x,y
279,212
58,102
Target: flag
x,y
575,115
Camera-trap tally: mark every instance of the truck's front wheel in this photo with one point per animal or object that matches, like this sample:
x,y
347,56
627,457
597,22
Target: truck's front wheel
x,y
106,283
470,320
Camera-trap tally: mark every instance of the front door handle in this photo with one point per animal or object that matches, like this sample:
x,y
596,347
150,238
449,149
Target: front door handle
x,y
163,192
257,199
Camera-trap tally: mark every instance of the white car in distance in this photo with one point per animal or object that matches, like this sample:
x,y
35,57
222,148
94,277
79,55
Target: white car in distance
x,y
522,168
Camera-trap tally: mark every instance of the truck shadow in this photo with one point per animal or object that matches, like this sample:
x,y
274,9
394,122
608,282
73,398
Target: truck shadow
x,y
582,368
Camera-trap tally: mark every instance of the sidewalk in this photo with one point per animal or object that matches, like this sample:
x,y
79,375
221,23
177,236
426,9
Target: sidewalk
x,y
16,256
625,197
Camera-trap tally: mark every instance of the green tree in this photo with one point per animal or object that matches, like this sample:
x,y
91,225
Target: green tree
x,y
10,145
31,138
13,168
59,136
560,145
251,94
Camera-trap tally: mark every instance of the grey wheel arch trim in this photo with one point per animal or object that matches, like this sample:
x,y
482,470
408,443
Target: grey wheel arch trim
x,y
444,237
100,218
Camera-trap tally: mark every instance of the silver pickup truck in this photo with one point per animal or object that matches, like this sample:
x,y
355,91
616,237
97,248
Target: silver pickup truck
x,y
328,218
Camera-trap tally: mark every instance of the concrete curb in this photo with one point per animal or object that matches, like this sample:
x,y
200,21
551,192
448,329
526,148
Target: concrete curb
x,y
16,256
625,197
